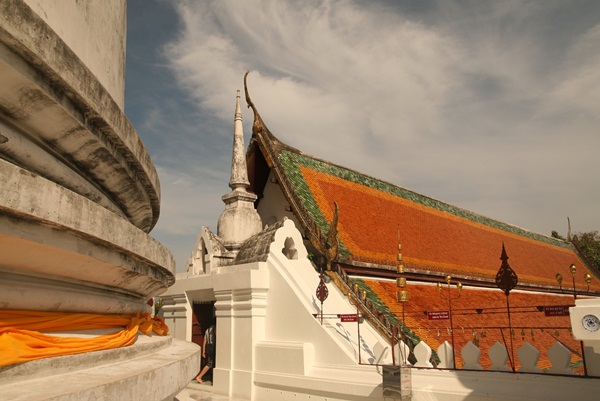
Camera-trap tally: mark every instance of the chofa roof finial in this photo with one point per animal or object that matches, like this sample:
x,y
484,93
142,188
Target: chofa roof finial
x,y
258,124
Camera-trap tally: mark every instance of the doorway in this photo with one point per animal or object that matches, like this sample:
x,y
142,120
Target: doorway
x,y
202,318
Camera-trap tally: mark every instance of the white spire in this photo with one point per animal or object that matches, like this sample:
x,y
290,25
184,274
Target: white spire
x,y
239,221
239,170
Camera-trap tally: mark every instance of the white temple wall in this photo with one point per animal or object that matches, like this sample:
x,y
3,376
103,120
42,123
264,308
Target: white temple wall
x,y
292,317
272,206
175,312
179,298
196,262
241,295
453,385
266,334
298,354
585,321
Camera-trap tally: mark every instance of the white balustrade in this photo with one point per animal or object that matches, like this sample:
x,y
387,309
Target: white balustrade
x,y
422,353
560,357
528,355
470,355
499,356
402,351
445,353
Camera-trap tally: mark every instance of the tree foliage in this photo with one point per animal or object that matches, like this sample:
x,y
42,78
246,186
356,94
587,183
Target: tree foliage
x,y
589,245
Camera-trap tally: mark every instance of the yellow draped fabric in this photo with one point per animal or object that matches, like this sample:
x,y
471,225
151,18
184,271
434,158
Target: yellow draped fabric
x,y
21,340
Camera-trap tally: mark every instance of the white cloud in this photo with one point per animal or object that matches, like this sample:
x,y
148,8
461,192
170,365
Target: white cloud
x,y
187,204
577,90
324,73
490,106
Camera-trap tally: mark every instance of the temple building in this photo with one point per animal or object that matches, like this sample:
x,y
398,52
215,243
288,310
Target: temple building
x,y
348,274
79,196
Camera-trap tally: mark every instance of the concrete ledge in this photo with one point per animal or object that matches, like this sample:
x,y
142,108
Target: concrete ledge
x,y
459,385
43,224
46,367
57,294
149,370
32,197
322,382
271,386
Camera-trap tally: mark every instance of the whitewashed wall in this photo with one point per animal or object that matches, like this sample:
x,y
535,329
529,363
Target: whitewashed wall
x,y
95,31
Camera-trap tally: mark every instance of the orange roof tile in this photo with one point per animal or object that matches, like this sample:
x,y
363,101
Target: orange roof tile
x,y
435,237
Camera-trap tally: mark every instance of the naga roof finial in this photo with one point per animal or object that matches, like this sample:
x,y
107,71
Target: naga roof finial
x,y
258,124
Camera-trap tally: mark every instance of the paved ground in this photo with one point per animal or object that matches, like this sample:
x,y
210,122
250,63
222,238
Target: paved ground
x,y
195,391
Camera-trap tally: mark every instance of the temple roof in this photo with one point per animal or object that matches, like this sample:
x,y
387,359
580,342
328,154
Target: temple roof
x,y
437,238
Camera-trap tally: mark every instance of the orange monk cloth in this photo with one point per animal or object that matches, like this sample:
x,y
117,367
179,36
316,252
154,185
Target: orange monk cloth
x,y
21,340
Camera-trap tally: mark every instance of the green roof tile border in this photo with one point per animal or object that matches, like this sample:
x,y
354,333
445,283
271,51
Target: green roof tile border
x,y
294,174
385,309
291,162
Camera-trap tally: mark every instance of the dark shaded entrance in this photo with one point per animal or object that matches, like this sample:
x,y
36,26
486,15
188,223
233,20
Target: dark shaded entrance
x,y
203,316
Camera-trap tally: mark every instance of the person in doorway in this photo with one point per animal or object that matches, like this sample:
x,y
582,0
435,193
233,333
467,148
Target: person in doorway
x,y
208,352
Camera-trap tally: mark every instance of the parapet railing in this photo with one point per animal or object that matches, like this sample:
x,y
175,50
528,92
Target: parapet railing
x,y
527,358
417,353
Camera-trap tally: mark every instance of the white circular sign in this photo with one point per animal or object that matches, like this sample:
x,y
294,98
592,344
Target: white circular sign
x,y
591,323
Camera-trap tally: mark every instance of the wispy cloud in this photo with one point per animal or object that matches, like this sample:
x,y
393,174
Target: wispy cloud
x,y
492,106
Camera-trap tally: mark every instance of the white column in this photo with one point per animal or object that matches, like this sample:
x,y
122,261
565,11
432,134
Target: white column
x,y
249,310
224,342
241,314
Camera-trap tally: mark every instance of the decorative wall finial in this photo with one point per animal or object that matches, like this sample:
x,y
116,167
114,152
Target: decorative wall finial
x,y
506,278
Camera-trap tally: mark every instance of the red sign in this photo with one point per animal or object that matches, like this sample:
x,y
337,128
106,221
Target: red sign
x,y
349,318
557,310
438,315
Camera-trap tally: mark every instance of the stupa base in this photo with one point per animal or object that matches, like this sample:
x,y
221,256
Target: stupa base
x,y
154,368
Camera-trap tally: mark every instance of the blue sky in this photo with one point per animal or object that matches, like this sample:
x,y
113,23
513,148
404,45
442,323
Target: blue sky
x,y
492,106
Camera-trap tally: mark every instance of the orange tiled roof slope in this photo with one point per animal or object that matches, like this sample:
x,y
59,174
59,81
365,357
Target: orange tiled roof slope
x,y
479,315
437,238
